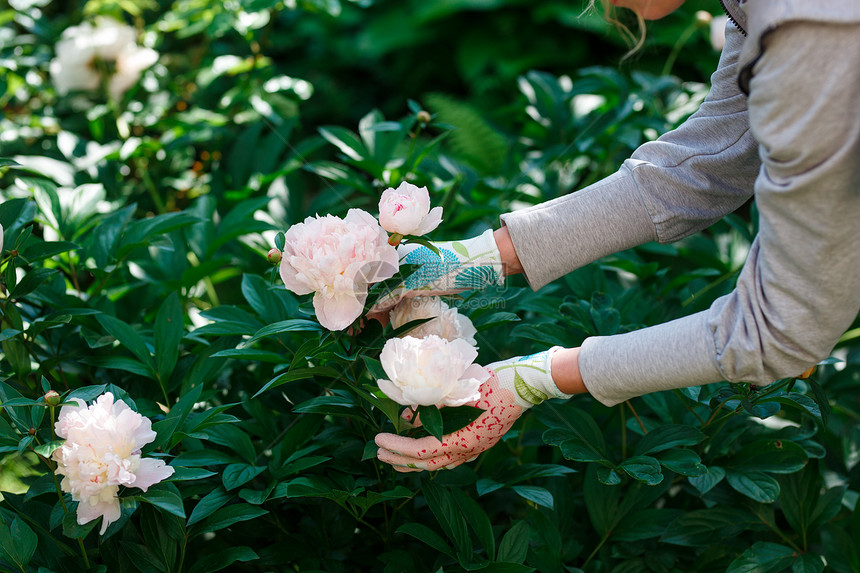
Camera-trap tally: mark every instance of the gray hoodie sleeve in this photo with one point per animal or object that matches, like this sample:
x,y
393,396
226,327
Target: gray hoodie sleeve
x,y
800,286
670,188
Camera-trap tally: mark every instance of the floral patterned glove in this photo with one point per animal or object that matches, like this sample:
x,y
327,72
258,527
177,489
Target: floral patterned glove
x,y
459,265
515,385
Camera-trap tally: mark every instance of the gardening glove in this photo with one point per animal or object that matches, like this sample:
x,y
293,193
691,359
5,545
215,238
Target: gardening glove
x,y
459,265
514,386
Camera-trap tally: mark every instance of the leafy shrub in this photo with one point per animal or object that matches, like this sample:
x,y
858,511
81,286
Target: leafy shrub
x,y
135,234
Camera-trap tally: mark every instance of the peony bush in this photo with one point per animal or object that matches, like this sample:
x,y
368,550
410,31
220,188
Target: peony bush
x,y
198,208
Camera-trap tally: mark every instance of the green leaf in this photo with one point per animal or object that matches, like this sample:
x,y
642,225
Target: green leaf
x,y
642,468
227,516
38,250
374,368
144,559
209,504
141,233
251,354
572,423
448,514
299,374
706,482
763,557
575,448
164,499
755,485
124,363
539,495
478,520
492,320
19,542
705,527
426,535
72,529
777,456
263,298
340,174
645,524
682,461
167,427
457,417
808,563
222,559
105,236
238,474
820,397
292,325
129,338
515,543
30,282
431,420
346,141
202,457
668,436
169,327
608,476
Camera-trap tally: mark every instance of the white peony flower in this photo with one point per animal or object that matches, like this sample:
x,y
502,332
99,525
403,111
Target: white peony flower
x,y
718,32
406,210
448,324
431,371
337,259
85,52
101,453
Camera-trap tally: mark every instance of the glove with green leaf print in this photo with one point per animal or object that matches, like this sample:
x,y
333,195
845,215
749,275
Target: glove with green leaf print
x,y
514,386
459,265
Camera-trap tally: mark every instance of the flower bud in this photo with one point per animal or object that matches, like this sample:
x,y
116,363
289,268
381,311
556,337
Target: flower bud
x,y
273,256
13,253
395,239
52,398
423,116
703,18
32,431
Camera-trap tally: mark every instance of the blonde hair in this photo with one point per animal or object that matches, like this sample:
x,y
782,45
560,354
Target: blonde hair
x,y
609,14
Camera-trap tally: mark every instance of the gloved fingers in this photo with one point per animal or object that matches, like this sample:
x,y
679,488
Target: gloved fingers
x,y
404,470
408,464
419,448
429,447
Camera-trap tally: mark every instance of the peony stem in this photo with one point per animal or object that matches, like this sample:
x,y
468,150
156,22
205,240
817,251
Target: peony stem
x,y
632,409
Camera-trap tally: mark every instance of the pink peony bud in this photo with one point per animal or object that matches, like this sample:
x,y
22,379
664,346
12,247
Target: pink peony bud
x,y
273,256
52,398
406,210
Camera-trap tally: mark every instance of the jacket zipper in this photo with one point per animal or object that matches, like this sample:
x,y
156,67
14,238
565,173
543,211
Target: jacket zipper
x,y
731,18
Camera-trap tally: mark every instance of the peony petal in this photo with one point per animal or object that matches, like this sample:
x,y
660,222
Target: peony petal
x,y
88,511
392,391
338,311
361,216
430,222
61,428
477,372
423,396
419,195
290,275
151,472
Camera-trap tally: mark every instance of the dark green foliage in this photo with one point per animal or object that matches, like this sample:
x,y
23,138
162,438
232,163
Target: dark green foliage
x,y
140,229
